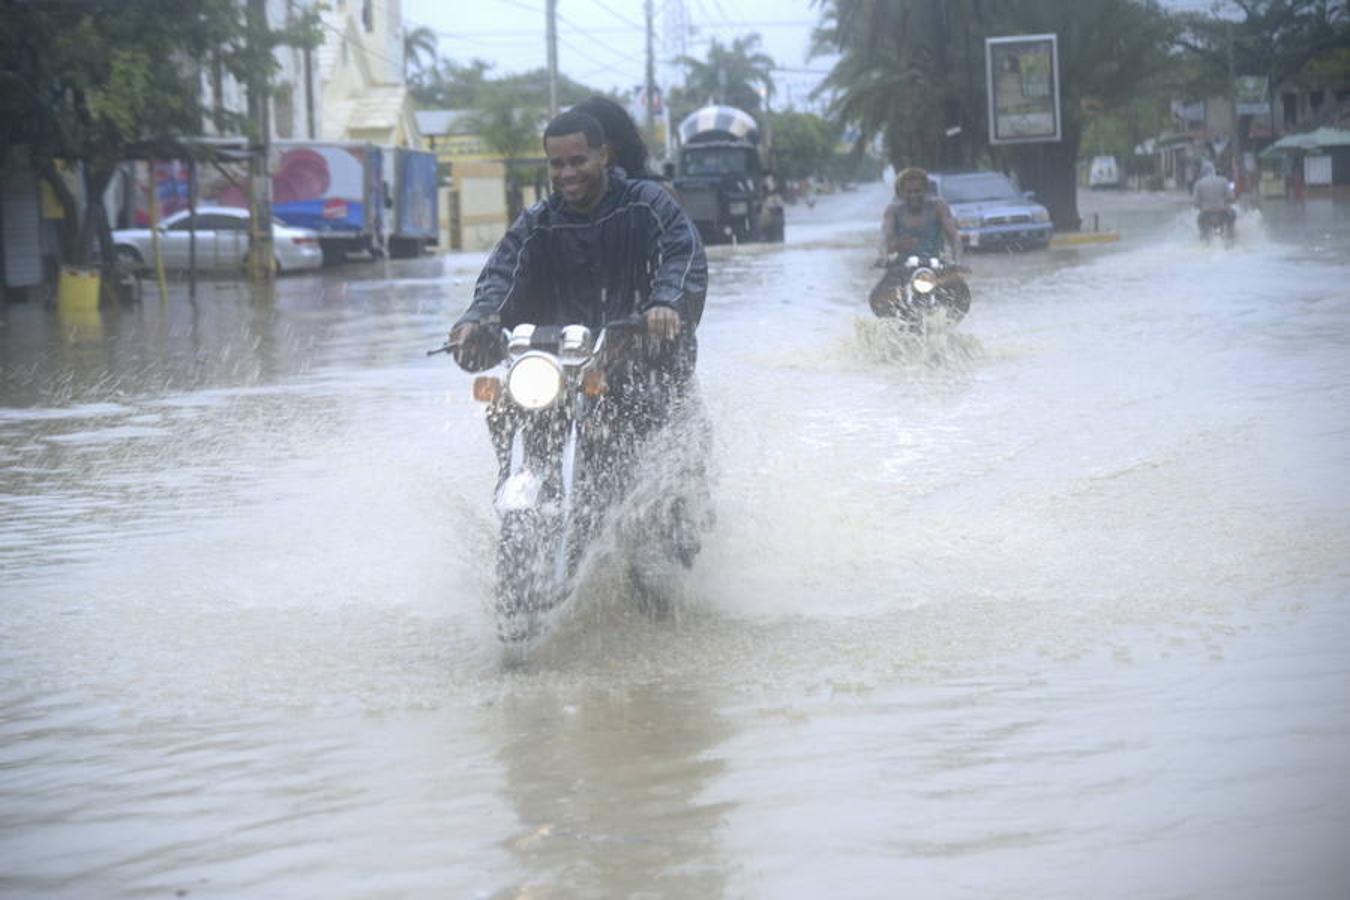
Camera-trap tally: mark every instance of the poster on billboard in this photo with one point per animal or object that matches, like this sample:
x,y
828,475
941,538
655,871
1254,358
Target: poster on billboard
x,y
1023,87
1253,97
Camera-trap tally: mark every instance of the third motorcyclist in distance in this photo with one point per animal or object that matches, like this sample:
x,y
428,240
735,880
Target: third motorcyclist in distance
x,y
1213,198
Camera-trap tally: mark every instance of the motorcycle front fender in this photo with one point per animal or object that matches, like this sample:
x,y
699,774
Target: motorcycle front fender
x,y
519,492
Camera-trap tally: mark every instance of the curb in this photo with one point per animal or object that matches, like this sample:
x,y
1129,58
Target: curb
x,y
1075,238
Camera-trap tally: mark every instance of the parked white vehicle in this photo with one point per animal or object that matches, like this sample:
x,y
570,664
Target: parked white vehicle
x,y
222,242
1103,172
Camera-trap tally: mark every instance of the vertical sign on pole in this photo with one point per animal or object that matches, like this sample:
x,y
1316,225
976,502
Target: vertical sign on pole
x,y
1023,88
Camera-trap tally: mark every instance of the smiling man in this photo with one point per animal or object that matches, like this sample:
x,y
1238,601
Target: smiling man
x,y
601,248
604,248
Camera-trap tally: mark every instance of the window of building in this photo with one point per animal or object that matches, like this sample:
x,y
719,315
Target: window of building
x,y
1315,100
283,109
1289,101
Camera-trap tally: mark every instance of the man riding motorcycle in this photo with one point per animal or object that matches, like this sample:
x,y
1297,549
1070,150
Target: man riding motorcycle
x,y
603,249
1213,197
915,223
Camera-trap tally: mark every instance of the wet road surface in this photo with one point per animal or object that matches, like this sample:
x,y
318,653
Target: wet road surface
x,y
1053,605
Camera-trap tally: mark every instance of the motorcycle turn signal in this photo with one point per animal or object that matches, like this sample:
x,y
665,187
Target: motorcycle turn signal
x,y
593,383
487,388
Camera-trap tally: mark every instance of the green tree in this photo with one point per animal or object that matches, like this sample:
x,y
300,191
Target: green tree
x,y
908,71
803,144
513,134
93,82
733,74
1110,51
419,48
1280,39
454,85
1276,38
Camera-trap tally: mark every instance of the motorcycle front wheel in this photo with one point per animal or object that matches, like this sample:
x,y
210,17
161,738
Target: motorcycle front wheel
x,y
531,574
954,297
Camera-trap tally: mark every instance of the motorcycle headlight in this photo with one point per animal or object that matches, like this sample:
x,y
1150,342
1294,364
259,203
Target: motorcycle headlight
x,y
924,281
535,381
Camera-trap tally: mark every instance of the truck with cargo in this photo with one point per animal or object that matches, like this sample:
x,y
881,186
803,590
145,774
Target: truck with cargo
x,y
333,188
721,178
410,181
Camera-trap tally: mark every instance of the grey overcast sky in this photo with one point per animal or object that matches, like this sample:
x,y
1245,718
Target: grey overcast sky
x,y
601,42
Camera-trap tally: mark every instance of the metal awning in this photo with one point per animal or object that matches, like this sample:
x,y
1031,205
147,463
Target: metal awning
x,y
1305,141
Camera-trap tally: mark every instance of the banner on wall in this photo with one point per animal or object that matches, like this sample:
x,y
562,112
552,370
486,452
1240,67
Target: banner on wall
x,y
1022,76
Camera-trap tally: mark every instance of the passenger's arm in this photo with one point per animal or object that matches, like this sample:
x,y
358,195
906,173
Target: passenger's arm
x,y
680,276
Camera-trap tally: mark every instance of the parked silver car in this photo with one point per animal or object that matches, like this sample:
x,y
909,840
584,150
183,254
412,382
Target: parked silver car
x,y
990,212
222,242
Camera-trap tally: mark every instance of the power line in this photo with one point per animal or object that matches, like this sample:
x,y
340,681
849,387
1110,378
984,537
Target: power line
x,y
622,18
612,29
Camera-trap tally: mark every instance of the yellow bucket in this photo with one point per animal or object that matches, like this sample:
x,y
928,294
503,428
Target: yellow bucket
x,y
78,289
77,293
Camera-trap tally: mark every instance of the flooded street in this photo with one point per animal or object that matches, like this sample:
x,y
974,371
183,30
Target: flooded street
x,y
1052,605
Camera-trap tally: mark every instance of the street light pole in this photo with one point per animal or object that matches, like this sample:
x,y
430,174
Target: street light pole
x,y
260,250
552,27
648,124
1235,170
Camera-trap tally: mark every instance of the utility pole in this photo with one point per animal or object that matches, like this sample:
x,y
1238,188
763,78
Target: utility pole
x,y
648,125
552,13
260,252
1235,171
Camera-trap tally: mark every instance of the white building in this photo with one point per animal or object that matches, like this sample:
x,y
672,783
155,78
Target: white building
x,y
361,80
350,88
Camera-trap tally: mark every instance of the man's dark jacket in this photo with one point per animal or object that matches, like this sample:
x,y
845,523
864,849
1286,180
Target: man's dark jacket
x,y
636,249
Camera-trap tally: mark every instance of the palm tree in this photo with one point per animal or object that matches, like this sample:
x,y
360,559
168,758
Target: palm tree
x,y
732,75
905,73
911,69
419,44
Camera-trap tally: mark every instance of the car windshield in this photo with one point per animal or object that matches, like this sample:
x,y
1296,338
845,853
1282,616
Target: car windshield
x,y
984,186
720,161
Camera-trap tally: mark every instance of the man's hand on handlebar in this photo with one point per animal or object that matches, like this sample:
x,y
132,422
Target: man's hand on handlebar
x,y
470,347
663,323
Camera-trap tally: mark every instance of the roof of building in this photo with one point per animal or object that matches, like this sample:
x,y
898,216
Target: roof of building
x,y
446,121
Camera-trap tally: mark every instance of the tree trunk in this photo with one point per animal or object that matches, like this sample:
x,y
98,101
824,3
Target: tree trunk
x,y
69,230
1051,171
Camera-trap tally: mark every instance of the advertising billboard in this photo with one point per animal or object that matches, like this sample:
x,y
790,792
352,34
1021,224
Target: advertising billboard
x,y
1253,95
1023,85
323,186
